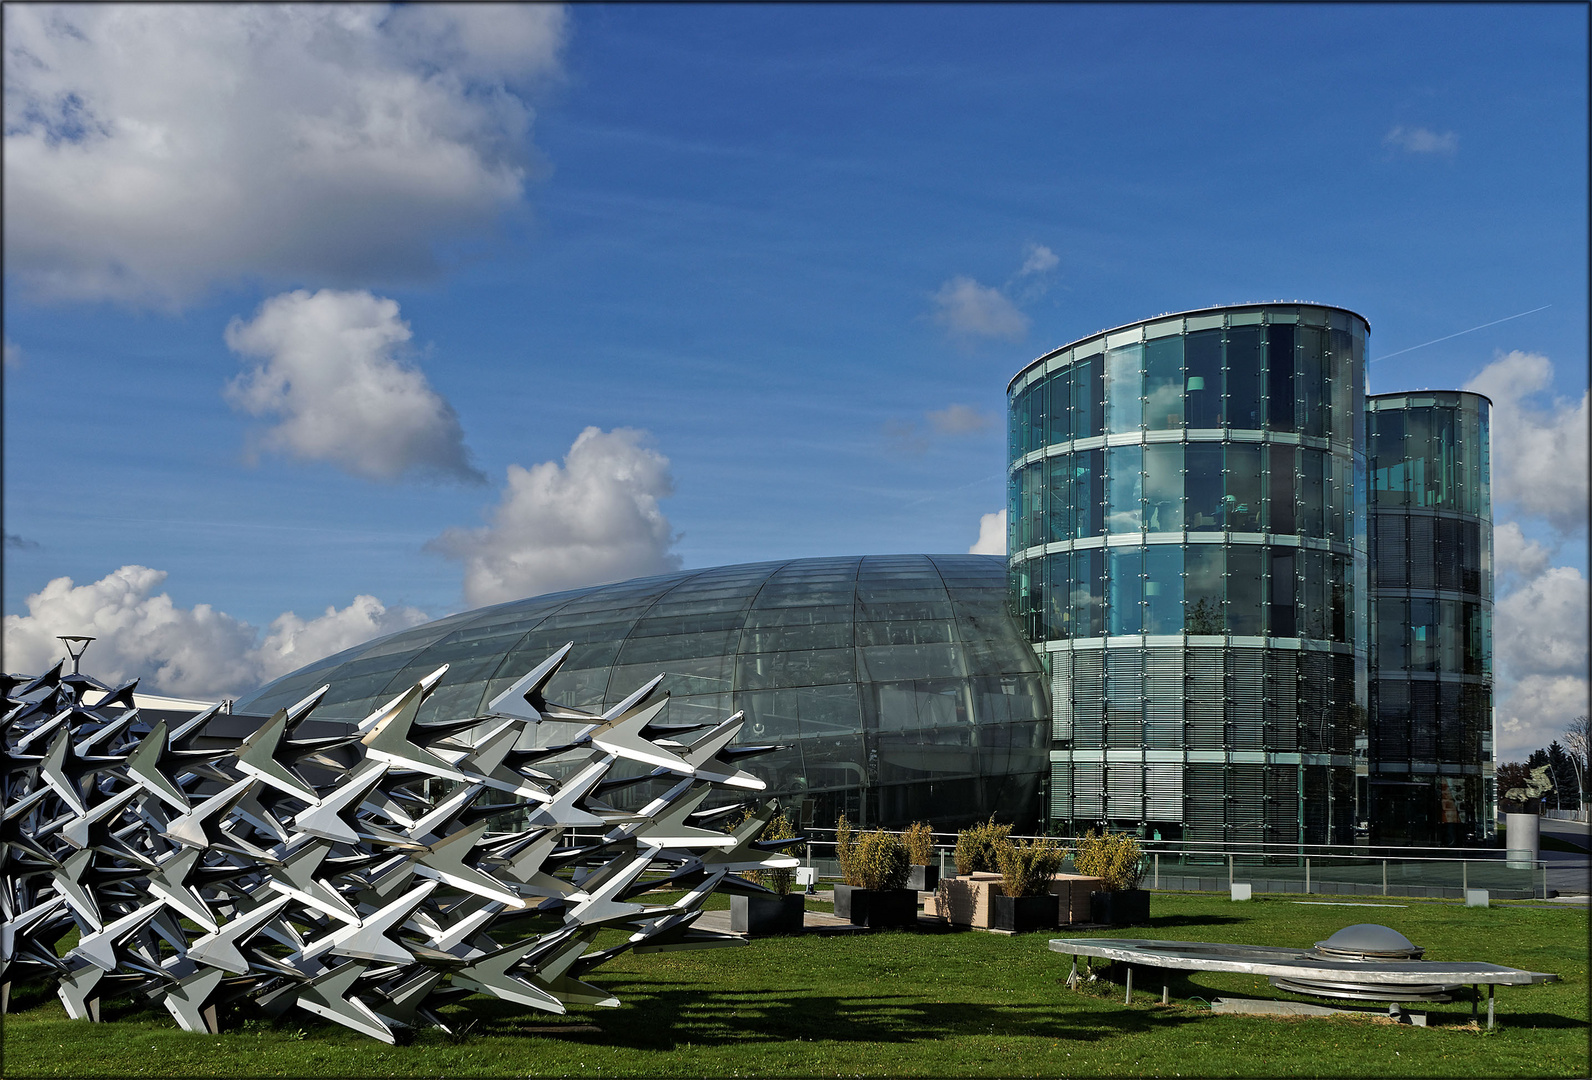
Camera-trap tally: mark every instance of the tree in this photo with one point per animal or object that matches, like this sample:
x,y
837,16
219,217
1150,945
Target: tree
x,y
1578,742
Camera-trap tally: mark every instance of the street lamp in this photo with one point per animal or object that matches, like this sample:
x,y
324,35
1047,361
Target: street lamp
x,y
76,653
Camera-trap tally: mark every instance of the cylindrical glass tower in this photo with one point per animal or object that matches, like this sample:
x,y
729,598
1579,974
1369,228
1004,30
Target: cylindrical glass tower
x,y
1188,552
1431,777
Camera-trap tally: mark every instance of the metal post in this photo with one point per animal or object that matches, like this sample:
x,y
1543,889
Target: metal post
x,y
1490,988
1072,980
1166,994
1464,876
1384,877
1307,875
1156,860
1475,999
1128,997
1229,874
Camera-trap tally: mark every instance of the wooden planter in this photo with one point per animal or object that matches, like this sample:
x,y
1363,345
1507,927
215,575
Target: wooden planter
x,y
1024,913
877,908
966,901
767,916
1127,908
923,878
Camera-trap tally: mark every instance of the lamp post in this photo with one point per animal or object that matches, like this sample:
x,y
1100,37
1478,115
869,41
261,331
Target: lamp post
x,y
81,645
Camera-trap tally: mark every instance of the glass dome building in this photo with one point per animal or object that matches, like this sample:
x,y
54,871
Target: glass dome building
x,y
900,684
1431,776
1186,516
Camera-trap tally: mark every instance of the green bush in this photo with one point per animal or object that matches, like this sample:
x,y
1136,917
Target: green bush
x,y
846,851
778,828
1113,856
975,847
1026,866
880,861
920,843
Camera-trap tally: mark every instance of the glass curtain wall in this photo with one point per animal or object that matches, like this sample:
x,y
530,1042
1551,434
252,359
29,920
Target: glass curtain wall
x,y
898,687
1431,737
1188,551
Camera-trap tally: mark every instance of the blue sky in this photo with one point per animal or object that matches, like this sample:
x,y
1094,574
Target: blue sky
x,y
783,259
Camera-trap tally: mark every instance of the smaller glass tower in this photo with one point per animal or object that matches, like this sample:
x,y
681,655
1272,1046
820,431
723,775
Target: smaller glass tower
x,y
1431,734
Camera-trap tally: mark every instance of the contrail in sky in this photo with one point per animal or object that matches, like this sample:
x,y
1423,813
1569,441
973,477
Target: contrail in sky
x,y
1483,326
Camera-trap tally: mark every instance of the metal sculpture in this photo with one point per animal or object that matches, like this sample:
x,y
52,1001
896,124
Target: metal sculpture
x,y
366,877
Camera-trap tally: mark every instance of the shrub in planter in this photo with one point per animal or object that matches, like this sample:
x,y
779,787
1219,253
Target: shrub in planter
x,y
975,847
1115,858
877,862
778,911
922,875
1026,902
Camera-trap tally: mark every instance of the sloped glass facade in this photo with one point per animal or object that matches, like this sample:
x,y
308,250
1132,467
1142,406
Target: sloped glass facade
x,y
1186,514
1431,758
900,685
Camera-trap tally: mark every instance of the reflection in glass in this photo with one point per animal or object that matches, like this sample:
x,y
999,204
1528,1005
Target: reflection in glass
x,y
1124,465
1088,592
1124,388
1202,353
1243,487
1059,392
1202,482
1243,377
1163,589
1283,583
1088,397
1163,487
1203,567
1163,383
1281,464
1245,588
1126,579
1280,377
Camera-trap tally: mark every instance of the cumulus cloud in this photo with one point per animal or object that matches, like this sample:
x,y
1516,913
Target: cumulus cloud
x,y
1038,260
1420,140
968,308
331,376
1539,447
1540,643
1516,557
592,520
153,150
991,535
190,652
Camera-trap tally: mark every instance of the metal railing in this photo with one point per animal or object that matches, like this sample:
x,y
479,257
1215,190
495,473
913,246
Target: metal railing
x,y
1333,869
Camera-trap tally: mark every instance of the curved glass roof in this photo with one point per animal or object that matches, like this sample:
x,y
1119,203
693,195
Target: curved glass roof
x,y
900,684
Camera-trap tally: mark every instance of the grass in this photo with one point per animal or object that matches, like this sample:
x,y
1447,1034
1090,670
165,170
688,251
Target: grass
x,y
899,1004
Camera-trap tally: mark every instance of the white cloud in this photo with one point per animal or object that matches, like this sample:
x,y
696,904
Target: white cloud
x,y
960,420
1539,449
593,520
1420,140
331,377
991,535
1038,260
153,150
1516,558
13,354
1540,653
967,307
190,652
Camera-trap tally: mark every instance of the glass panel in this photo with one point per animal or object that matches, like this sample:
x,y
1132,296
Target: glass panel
x,y
1059,416
1034,432
1312,389
1315,594
1088,595
1283,621
1202,589
1312,492
1163,384
1163,487
1125,388
1203,356
1280,378
1202,483
1032,529
1163,589
1088,397
1281,465
1243,376
1124,467
1057,614
1059,512
1089,493
1245,588
1243,487
1423,635
1126,578
1392,621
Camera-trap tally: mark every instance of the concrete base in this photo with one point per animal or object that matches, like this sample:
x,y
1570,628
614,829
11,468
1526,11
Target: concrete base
x,y
1261,1007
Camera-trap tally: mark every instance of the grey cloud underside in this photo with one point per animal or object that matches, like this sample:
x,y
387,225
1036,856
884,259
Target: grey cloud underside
x,y
322,873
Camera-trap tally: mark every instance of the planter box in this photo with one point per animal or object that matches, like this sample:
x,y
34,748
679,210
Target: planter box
x,y
1072,895
923,878
1125,908
1024,913
766,916
878,908
966,901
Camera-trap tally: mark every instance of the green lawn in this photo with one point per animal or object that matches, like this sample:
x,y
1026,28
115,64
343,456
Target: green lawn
x,y
898,1004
